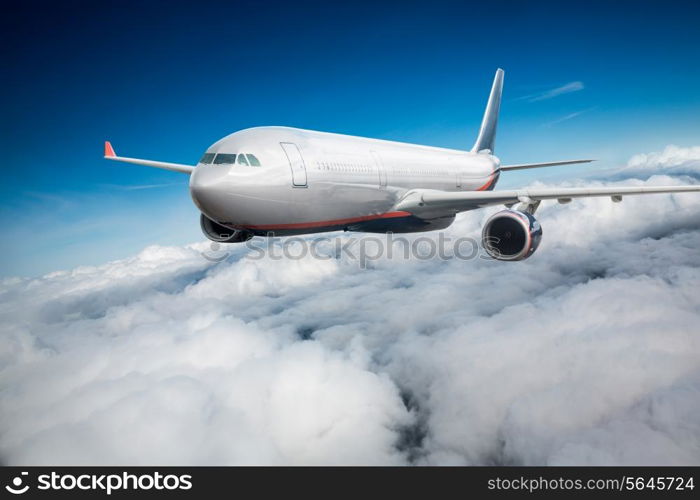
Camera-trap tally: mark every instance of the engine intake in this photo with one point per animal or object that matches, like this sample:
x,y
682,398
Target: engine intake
x,y
222,234
511,235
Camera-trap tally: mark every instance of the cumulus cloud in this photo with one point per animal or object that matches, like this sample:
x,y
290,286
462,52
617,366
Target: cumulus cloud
x,y
587,353
673,160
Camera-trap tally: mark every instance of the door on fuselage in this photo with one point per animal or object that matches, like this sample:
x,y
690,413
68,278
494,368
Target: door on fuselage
x,y
296,163
380,168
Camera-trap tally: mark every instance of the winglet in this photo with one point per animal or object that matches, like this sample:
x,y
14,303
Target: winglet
x,y
109,150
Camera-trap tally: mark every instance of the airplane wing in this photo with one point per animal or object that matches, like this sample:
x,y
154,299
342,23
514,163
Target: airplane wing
x,y
425,201
175,167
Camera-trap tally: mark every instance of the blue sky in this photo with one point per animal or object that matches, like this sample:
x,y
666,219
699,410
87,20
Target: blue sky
x,y
165,80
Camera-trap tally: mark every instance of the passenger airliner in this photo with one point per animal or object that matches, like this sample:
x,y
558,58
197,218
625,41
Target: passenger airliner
x,y
267,181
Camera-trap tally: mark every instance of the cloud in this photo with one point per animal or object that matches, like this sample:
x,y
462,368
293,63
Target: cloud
x,y
673,160
587,353
567,117
555,92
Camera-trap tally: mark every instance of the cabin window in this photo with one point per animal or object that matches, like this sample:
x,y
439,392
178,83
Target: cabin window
x,y
207,158
242,160
252,159
225,159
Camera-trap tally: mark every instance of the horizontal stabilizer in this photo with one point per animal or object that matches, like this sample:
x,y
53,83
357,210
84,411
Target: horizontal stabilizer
x,y
175,167
523,166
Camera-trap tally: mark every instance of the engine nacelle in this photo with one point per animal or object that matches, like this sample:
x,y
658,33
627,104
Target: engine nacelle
x,y
222,234
511,235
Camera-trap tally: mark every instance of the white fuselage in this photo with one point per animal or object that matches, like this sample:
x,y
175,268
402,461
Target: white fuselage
x,y
315,181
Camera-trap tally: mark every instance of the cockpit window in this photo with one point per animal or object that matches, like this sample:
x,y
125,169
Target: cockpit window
x,y
225,158
207,158
254,162
230,159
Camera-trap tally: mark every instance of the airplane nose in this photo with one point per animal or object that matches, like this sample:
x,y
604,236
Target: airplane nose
x,y
207,188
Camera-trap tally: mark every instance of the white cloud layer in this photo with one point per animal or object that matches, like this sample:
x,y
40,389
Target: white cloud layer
x,y
672,160
587,353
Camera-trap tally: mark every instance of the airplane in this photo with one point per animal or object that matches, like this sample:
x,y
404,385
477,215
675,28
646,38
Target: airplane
x,y
278,181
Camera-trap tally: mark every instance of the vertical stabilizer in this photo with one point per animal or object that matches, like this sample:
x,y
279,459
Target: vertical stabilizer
x,y
487,132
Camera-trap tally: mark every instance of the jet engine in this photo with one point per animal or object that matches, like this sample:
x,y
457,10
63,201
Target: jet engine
x,y
511,235
222,234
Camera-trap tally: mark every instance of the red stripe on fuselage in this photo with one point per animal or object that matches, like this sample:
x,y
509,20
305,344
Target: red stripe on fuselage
x,y
488,184
330,223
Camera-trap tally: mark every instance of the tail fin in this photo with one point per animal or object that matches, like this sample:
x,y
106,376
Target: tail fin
x,y
487,132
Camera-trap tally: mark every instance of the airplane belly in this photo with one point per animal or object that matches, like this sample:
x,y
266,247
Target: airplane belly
x,y
325,206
